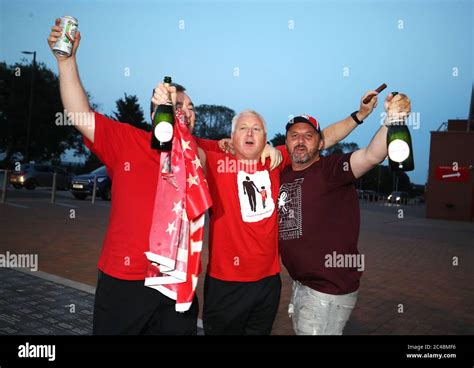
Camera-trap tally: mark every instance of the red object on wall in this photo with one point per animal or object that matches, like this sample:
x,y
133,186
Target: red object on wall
x,y
448,174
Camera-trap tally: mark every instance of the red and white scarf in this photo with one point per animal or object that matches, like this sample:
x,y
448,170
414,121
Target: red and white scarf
x,y
177,229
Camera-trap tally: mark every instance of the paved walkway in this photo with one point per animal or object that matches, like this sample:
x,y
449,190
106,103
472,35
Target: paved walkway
x,y
33,305
411,284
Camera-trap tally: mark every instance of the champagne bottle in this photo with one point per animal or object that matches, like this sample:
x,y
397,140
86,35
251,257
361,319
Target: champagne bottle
x,y
400,151
163,122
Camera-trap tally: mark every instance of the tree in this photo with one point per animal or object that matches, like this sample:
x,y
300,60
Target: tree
x,y
129,111
341,148
278,140
50,135
213,121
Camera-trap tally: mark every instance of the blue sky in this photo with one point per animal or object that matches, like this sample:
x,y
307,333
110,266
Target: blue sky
x,y
291,56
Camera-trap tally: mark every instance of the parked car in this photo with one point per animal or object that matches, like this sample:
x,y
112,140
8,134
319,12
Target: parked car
x,y
31,176
82,185
398,197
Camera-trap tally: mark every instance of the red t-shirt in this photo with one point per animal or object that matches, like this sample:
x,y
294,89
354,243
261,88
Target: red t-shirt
x,y
133,167
208,144
243,236
319,225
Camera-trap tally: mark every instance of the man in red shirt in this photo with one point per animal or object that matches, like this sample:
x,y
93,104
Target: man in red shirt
x,y
123,304
319,222
242,285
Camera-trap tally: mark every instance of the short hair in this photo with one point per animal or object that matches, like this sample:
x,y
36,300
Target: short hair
x,y
245,112
179,88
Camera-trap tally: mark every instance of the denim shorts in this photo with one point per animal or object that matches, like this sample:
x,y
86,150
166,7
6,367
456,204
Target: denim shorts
x,y
316,313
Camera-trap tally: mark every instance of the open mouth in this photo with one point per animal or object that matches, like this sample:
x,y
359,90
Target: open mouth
x,y
301,149
249,143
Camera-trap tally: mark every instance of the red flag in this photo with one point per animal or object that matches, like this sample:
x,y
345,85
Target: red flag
x,y
177,229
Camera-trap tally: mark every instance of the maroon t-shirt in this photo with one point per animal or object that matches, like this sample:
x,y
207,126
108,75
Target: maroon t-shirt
x,y
319,225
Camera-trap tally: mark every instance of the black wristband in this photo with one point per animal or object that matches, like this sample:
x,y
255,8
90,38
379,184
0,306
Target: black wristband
x,y
354,116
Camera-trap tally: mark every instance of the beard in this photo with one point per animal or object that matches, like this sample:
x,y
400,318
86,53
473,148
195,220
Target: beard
x,y
303,157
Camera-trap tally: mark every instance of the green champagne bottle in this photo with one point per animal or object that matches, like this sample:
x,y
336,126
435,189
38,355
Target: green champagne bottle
x,y
400,151
163,123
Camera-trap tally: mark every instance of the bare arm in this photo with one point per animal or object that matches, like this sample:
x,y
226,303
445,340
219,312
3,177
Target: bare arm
x,y
74,98
363,160
336,132
366,158
73,95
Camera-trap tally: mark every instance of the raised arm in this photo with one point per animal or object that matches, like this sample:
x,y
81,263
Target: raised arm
x,y
366,158
73,95
336,132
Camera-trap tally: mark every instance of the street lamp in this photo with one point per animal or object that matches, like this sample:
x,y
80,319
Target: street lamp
x,y
30,105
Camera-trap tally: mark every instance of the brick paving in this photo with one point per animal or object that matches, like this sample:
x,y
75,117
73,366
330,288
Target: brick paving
x,y
30,305
408,265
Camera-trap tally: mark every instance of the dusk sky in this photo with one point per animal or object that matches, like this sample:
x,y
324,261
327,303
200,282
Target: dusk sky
x,y
280,58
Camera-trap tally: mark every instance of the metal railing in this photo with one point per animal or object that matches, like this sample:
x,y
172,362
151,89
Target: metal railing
x,y
5,186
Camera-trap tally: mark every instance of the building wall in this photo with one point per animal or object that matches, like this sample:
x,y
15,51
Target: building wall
x,y
449,200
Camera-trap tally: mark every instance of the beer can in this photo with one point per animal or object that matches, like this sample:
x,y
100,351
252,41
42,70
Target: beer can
x,y
64,44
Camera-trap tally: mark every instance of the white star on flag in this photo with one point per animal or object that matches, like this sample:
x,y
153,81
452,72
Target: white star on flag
x,y
170,228
196,162
177,207
185,144
192,180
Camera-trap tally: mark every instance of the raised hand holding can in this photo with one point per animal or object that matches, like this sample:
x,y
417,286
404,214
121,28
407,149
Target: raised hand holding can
x,y
64,44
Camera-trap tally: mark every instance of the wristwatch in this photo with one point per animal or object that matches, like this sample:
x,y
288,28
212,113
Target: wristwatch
x,y
354,116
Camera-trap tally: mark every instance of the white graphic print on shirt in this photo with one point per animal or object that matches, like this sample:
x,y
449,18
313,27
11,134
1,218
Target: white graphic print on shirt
x,y
255,195
290,224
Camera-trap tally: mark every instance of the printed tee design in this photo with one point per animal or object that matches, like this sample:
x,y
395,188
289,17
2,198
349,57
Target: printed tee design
x,y
255,195
290,210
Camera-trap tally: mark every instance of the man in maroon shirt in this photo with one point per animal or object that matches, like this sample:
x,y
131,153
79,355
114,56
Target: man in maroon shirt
x,y
319,222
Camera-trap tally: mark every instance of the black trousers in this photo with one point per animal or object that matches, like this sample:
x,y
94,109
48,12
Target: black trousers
x,y
125,307
240,308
